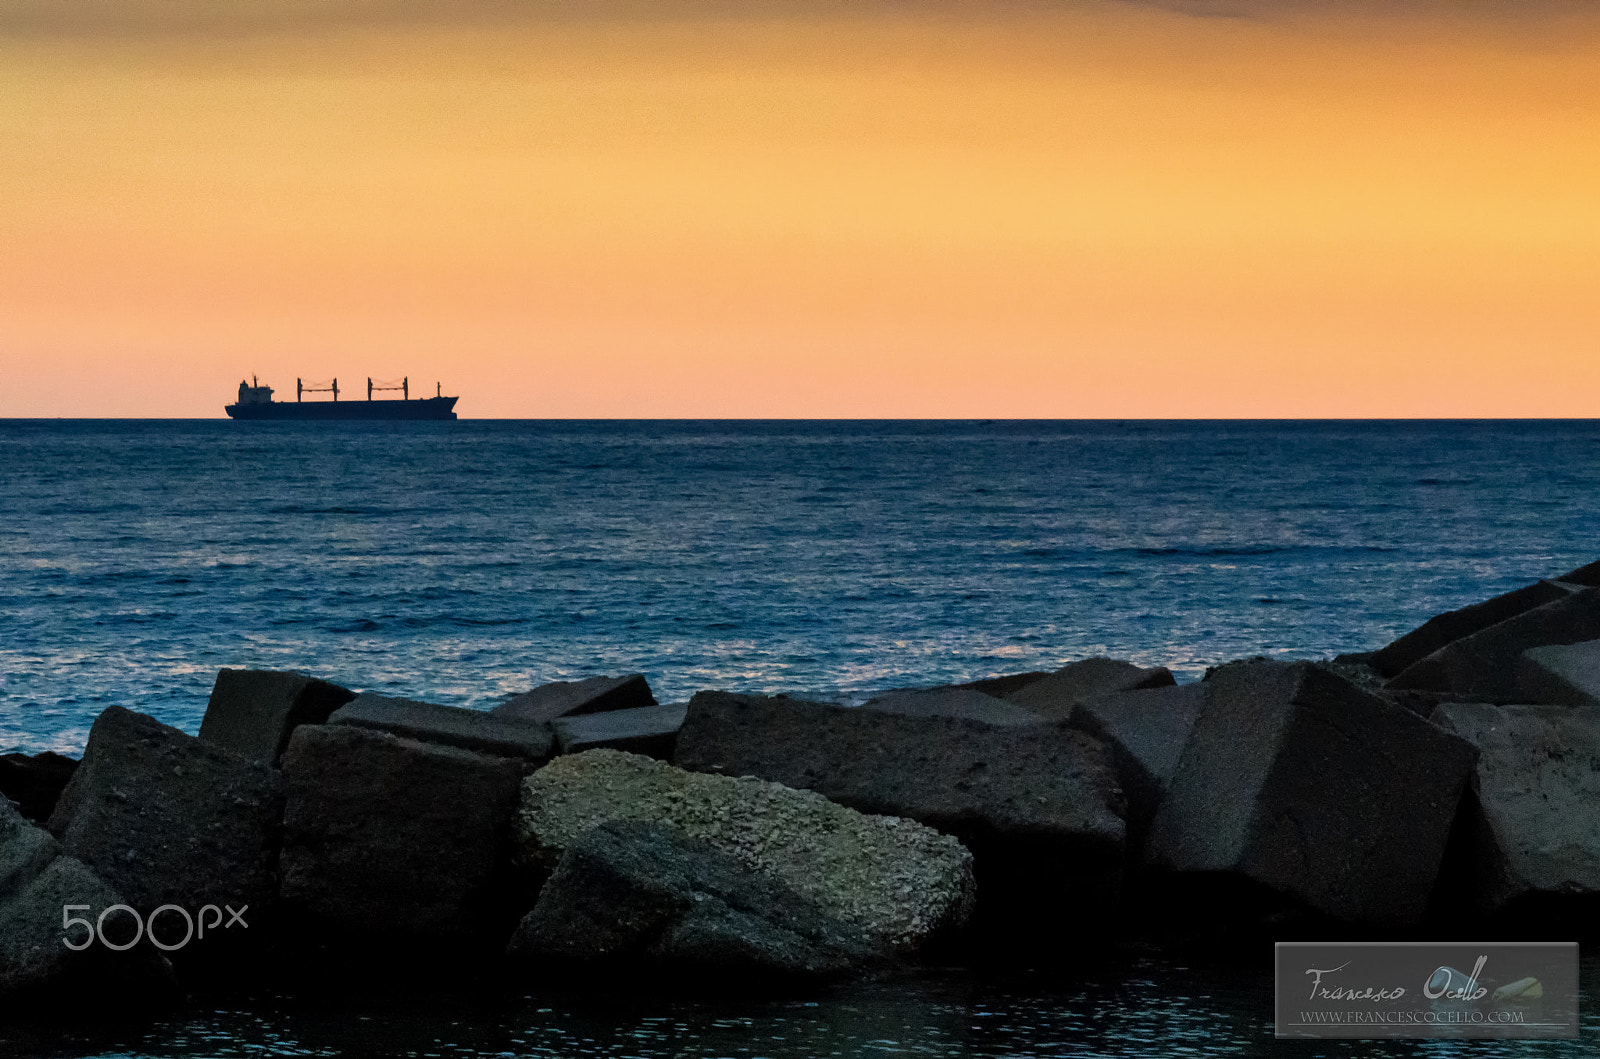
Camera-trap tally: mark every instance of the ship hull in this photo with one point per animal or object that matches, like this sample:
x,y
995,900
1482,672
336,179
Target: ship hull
x,y
426,408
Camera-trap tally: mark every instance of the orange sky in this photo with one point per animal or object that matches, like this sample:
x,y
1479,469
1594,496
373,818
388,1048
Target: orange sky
x,y
590,209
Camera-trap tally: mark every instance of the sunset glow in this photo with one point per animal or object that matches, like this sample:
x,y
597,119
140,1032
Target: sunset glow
x,y
1096,209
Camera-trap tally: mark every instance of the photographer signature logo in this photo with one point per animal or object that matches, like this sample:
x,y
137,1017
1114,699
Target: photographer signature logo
x,y
194,925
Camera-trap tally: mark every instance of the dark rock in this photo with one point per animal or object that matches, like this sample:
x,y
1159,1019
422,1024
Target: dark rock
x,y
1534,828
898,884
1145,731
35,782
1000,687
650,730
1444,629
952,702
639,895
397,838
426,722
37,885
1054,697
1565,675
1296,779
569,698
1483,666
1038,805
164,818
253,711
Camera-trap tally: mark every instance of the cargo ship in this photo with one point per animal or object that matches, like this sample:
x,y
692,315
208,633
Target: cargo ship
x,y
255,402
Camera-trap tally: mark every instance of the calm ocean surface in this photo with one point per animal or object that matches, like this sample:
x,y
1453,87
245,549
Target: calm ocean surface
x,y
462,562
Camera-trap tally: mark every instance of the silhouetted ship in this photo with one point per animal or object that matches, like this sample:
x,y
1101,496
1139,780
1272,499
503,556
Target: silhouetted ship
x,y
255,402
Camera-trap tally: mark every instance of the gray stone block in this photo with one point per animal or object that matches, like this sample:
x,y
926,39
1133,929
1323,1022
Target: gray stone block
x,y
1145,731
1560,675
1483,667
570,698
253,711
427,722
630,896
1296,779
1054,697
952,702
1536,826
394,837
650,730
165,818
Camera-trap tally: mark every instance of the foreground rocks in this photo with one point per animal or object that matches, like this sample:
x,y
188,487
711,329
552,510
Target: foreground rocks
x,y
896,883
165,818
395,838
1038,805
1566,675
1483,666
1145,731
252,712
427,722
37,882
1055,696
578,697
1298,781
631,896
1533,827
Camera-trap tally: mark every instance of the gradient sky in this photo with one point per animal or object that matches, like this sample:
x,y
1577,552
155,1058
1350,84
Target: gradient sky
x,y
871,209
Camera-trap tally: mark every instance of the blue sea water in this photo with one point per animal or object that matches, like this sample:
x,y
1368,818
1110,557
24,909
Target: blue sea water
x,y
463,562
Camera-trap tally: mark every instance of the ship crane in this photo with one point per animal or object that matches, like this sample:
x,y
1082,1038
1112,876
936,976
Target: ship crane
x,y
301,388
404,388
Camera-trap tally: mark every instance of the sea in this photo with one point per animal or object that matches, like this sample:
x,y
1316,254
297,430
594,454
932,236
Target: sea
x,y
464,562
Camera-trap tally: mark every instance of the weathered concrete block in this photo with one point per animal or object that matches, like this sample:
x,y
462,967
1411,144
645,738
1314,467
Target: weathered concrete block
x,y
650,730
1536,823
1002,686
38,887
1560,675
895,882
629,896
952,702
253,711
165,818
35,781
1054,697
1038,805
1483,667
570,698
1298,780
1443,629
395,837
427,722
1145,730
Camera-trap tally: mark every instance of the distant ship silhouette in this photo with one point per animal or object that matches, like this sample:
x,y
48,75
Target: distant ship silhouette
x,y
255,402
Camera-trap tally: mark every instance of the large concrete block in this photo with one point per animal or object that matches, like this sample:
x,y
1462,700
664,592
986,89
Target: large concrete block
x,y
1560,675
427,722
40,888
896,883
165,818
1483,667
396,838
630,896
1296,779
952,702
649,730
570,698
253,711
1054,697
1038,805
1145,731
1535,828
1443,629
